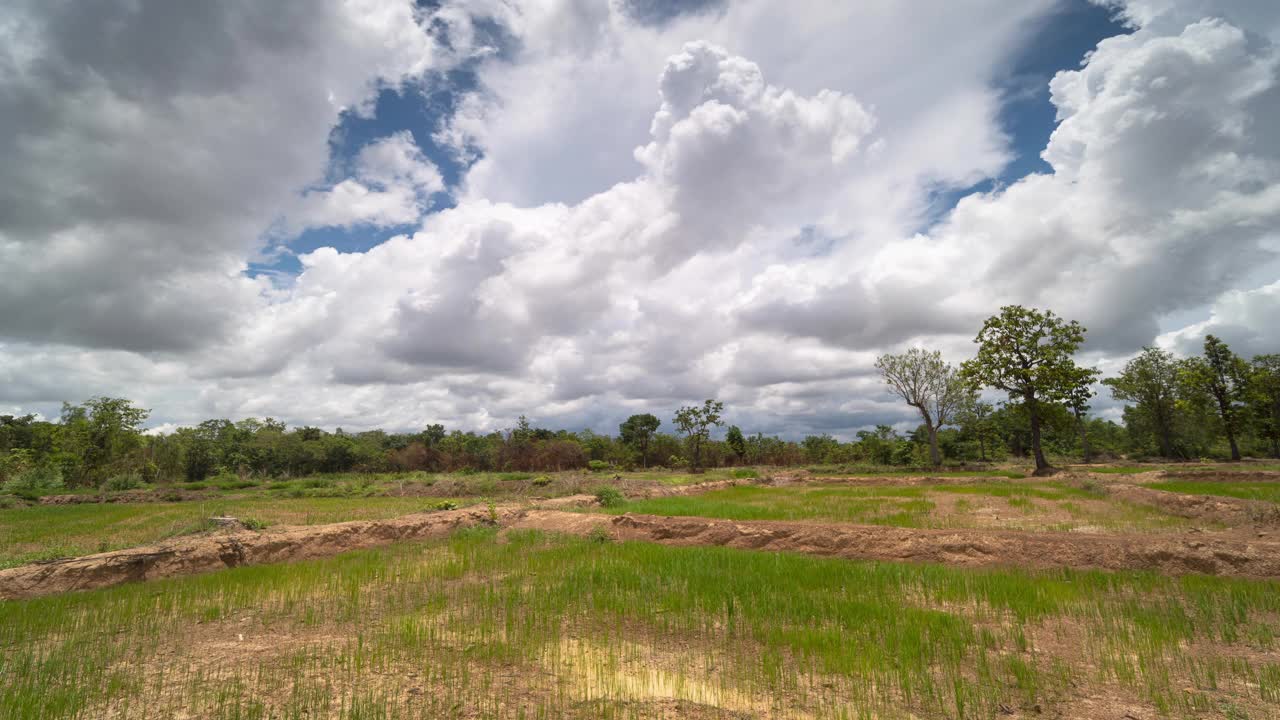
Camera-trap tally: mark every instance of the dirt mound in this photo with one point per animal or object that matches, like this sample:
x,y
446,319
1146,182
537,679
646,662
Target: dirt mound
x,y
1214,508
1175,555
206,553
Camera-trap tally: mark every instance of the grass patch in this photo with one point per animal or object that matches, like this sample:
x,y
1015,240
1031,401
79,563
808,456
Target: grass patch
x,y
539,627
1266,491
51,531
883,471
915,506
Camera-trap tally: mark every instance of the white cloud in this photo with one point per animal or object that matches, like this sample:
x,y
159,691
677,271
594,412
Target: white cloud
x,y
653,221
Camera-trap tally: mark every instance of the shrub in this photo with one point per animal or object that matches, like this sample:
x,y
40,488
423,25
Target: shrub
x,y
252,524
541,481
599,535
609,496
35,481
123,481
598,466
445,505
745,473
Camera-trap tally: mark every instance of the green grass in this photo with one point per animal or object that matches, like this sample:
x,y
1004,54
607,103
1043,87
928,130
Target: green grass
x,y
543,627
909,506
1119,469
1268,491
889,471
46,532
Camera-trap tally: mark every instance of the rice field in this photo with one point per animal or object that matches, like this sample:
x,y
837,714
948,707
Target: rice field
x,y
1039,506
527,625
52,531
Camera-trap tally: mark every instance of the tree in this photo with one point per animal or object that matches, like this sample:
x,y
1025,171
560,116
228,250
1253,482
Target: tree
x,y
636,433
1263,398
696,423
736,442
1028,354
1078,401
1220,374
974,417
927,384
1150,380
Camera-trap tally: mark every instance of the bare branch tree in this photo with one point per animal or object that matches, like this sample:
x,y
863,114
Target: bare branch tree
x,y
928,384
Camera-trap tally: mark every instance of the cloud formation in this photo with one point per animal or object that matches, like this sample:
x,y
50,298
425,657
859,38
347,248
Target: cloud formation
x,y
662,208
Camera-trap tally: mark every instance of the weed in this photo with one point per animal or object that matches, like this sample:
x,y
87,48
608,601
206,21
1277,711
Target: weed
x,y
609,497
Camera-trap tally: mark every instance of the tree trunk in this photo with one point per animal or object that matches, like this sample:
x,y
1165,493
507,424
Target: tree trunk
x,y
982,447
644,454
1228,424
1033,409
1162,429
1084,437
1275,446
934,456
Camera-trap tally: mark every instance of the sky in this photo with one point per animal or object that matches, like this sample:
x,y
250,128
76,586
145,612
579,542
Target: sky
x,y
385,214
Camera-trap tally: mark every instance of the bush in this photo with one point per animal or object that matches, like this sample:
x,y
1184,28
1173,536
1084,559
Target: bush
x,y
35,481
541,481
123,481
598,466
252,524
445,505
745,473
609,497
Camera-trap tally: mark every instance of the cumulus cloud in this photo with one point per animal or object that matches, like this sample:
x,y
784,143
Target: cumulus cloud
x,y
662,209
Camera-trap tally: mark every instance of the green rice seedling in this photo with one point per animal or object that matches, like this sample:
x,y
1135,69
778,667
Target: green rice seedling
x,y
553,627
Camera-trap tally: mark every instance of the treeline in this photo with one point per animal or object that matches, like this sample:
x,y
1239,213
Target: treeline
x,y
1216,406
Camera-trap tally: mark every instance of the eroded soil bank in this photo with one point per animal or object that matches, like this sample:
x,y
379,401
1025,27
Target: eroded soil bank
x,y
1168,553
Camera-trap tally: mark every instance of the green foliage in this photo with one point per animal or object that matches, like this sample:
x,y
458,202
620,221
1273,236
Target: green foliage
x,y
733,437
637,432
1028,354
696,423
541,481
598,466
1150,381
609,496
123,481
1219,377
34,482
445,505
1263,398
250,523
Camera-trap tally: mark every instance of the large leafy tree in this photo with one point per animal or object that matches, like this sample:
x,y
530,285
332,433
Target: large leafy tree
x,y
1263,398
736,442
696,423
929,385
1028,354
1220,374
636,433
1150,381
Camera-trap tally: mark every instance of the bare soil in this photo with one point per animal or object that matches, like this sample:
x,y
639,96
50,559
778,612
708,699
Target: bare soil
x,y
1246,551
1236,512
1170,554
